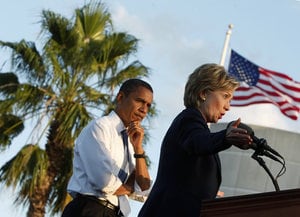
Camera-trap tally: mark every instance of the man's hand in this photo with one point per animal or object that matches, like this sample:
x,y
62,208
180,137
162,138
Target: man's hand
x,y
136,135
128,187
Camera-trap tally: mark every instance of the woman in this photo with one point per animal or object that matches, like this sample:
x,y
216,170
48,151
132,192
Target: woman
x,y
189,167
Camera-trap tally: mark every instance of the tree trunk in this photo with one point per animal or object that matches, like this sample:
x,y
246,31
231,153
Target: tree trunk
x,y
38,202
54,152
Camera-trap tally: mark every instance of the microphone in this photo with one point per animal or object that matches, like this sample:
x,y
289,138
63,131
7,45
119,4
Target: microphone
x,y
259,145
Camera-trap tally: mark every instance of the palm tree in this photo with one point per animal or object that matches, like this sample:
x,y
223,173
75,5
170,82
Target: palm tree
x,y
60,88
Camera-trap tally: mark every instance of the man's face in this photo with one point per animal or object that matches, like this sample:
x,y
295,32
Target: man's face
x,y
135,106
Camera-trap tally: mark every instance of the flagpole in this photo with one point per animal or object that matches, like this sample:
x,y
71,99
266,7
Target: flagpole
x,y
227,38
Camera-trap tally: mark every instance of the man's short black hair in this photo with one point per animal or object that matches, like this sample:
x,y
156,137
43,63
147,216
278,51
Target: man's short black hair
x,y
132,84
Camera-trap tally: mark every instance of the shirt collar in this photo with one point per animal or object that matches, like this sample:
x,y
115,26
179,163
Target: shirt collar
x,y
117,120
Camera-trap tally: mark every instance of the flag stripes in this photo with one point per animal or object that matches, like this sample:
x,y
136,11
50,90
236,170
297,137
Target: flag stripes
x,y
260,85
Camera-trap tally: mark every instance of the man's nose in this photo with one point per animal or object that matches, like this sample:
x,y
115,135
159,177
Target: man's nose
x,y
144,108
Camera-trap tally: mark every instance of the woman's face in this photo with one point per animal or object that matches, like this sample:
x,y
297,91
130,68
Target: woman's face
x,y
216,104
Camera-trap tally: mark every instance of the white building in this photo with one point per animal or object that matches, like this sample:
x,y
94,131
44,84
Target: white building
x,y
241,174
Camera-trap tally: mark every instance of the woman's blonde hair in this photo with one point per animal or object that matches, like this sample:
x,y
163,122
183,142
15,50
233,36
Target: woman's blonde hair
x,y
208,77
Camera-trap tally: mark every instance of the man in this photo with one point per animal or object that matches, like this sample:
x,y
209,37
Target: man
x,y
107,166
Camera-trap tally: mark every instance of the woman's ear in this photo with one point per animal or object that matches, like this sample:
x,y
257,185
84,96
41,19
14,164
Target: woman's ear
x,y
202,95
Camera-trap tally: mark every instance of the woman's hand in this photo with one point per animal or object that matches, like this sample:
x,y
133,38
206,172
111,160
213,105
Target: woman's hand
x,y
238,136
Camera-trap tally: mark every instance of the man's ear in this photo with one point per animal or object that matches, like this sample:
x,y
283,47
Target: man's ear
x,y
120,96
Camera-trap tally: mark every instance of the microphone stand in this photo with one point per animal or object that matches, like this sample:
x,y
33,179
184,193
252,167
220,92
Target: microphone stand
x,y
263,164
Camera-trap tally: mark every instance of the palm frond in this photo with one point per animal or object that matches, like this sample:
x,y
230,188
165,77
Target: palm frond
x,y
8,83
57,29
27,60
28,97
72,119
127,45
134,70
92,21
30,163
10,127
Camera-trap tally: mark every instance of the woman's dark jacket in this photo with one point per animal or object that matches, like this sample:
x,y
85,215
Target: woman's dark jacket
x,y
189,168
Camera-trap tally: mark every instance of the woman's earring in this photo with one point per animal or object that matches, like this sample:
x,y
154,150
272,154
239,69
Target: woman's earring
x,y
203,98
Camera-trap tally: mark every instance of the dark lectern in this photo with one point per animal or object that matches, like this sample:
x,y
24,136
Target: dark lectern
x,y
285,203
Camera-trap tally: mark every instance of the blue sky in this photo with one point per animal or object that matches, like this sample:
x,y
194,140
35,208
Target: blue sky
x,y
176,37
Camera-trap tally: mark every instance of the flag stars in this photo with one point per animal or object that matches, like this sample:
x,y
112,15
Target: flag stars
x,y
243,69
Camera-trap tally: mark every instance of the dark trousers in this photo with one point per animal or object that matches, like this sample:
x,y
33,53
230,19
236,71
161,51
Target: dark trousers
x,y
87,207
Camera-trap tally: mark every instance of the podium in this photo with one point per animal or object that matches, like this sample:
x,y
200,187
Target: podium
x,y
285,203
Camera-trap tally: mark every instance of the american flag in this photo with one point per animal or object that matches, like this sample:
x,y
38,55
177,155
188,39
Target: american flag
x,y
259,85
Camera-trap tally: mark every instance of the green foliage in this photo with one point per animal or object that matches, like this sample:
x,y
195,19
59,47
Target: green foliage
x,y
10,127
26,170
8,83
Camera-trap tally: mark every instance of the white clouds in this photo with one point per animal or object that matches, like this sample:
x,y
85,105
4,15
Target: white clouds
x,y
172,47
124,21
163,37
